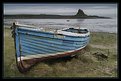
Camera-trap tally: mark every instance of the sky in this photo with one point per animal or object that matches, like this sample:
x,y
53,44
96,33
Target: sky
x,y
109,10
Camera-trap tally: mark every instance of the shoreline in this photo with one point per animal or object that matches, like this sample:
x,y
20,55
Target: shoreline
x,y
52,17
8,27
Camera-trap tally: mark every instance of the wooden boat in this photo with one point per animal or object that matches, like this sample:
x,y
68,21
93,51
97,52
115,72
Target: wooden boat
x,y
34,44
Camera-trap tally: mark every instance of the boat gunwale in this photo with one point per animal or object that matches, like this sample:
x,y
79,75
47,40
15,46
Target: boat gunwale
x,y
71,34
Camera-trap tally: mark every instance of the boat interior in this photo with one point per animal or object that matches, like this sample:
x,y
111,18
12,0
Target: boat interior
x,y
76,30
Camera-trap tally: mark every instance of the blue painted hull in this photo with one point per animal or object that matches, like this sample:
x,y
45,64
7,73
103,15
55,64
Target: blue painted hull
x,y
32,44
29,42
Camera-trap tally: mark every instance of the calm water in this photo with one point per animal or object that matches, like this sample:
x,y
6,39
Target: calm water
x,y
95,25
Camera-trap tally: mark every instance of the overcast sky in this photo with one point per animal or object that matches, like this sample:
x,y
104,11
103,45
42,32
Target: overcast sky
x,y
61,9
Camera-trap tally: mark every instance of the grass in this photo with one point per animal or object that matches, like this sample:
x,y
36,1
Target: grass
x,y
85,65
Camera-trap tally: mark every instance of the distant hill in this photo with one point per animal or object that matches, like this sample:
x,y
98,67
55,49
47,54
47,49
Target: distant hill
x,y
79,15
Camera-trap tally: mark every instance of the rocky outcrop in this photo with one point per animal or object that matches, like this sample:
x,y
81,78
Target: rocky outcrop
x,y
80,13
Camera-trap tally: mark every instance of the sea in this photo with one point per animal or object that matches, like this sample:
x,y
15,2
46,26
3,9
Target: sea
x,y
94,25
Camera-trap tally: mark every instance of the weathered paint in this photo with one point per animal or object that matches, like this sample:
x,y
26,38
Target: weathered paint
x,y
36,44
32,42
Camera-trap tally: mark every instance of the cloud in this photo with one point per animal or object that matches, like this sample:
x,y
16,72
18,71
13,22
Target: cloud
x,y
102,12
40,10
